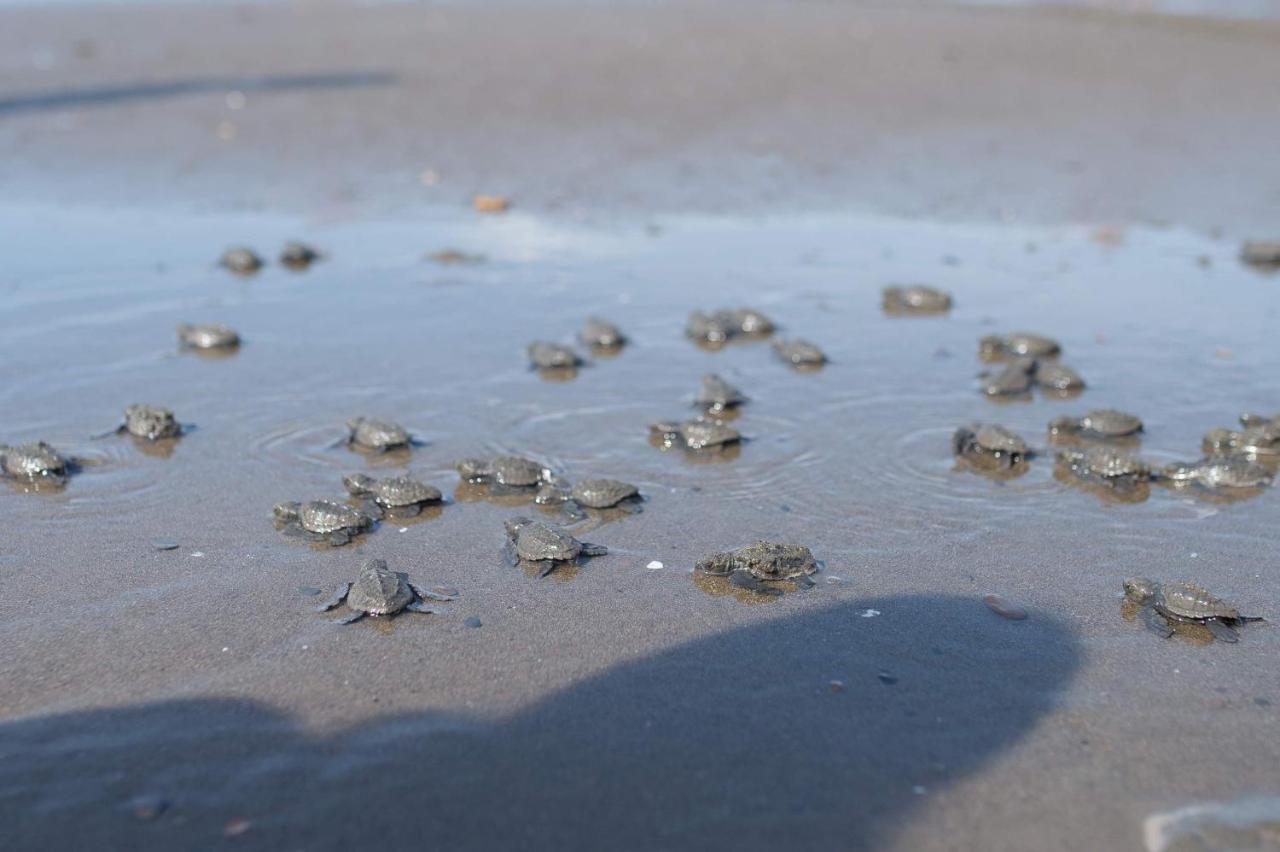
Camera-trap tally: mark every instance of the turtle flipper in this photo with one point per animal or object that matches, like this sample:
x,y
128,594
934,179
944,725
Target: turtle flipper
x,y
746,580
509,554
572,511
339,595
352,618
546,566
428,595
1156,623
589,549
338,538
1222,631
419,606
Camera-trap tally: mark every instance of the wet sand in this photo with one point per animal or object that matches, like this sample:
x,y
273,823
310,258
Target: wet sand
x,y
618,705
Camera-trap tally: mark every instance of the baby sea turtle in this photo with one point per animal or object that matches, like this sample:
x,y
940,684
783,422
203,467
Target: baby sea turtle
x,y
544,545
514,472
915,299
1166,604
1104,463
799,353
1056,378
241,260
369,433
717,395
298,256
1015,380
602,334
1263,253
1223,471
723,325
989,445
999,347
324,520
379,591
552,356
35,462
1100,424
595,494
207,337
698,433
149,423
1263,440
399,496
762,564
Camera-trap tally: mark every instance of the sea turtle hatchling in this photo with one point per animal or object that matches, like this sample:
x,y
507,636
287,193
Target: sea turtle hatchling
x,y
149,423
1166,604
369,433
725,324
717,395
999,347
544,355
510,472
762,565
379,591
398,496
36,462
915,300
597,494
1261,253
1100,424
241,260
207,337
1216,472
698,433
546,546
601,334
298,256
1015,380
324,520
800,354
989,445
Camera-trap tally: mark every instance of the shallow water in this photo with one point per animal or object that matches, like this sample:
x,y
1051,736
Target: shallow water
x,y
853,460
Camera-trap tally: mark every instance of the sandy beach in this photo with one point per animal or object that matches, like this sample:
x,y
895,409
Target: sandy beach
x,y
1082,174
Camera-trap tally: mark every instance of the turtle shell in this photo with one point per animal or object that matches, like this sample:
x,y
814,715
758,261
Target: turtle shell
x,y
1111,423
719,393
404,491
515,470
1193,603
772,561
378,590
700,433
537,541
144,421
208,336
602,493
916,297
326,516
377,434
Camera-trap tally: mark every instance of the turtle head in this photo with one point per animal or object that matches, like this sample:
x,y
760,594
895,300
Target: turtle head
x,y
286,512
1140,590
359,484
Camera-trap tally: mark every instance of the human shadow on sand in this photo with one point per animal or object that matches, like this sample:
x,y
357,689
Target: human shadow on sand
x,y
823,730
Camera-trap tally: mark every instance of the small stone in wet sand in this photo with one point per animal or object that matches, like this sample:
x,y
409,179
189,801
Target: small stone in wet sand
x,y
654,565
309,591
836,686
887,678
164,544
236,827
472,622
491,203
148,807
1004,608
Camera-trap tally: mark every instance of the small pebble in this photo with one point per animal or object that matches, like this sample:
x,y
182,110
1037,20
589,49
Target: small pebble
x,y
654,565
473,621
197,553
1004,608
164,544
491,203
311,591
148,807
236,827
870,613
836,686
404,529
887,678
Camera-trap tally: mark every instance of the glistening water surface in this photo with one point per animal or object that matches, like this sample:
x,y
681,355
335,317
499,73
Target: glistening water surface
x,y
853,460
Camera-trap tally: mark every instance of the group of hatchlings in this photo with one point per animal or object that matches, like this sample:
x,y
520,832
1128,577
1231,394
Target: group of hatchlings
x,y
763,566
